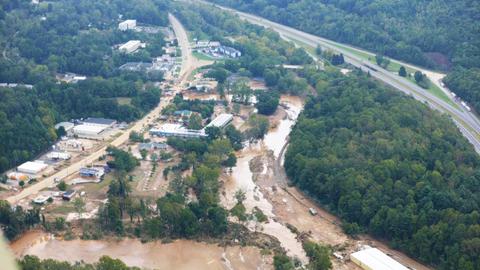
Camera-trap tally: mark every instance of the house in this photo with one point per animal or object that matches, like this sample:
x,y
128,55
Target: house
x,y
183,113
127,25
152,146
68,195
229,51
130,47
32,167
100,122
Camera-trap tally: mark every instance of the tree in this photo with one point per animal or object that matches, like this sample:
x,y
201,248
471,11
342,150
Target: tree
x,y
213,133
318,50
258,127
79,205
418,76
62,186
267,101
144,153
402,71
282,262
195,122
319,256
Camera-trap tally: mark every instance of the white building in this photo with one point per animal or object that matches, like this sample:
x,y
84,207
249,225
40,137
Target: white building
x,y
373,259
58,155
177,130
221,121
130,46
101,122
32,167
88,131
127,25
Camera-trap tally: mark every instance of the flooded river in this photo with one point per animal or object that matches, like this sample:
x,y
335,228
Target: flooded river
x,y
242,179
181,254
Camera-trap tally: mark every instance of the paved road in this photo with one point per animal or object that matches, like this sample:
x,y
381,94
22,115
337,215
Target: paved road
x,y
138,126
468,123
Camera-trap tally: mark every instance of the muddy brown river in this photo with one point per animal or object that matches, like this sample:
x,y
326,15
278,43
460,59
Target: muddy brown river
x,y
180,254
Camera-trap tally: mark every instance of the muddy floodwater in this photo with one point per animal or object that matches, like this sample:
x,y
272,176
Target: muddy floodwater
x,y
181,254
242,179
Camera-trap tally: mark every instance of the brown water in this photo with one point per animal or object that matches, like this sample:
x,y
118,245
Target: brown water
x,y
181,254
242,179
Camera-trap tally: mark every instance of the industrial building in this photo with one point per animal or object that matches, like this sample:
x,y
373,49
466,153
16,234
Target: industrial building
x,y
88,131
58,155
130,46
177,130
374,259
127,25
101,122
32,167
91,172
68,126
221,121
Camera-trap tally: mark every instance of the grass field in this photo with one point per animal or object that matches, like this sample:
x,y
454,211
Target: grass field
x,y
202,56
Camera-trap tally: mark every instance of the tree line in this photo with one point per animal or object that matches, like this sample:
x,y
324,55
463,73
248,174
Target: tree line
x,y
389,166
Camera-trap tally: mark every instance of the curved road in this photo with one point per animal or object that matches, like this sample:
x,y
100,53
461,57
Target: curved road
x,y
467,122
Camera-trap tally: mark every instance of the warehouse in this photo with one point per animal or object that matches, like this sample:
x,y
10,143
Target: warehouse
x,y
127,25
373,259
131,46
176,130
32,167
221,121
88,131
101,122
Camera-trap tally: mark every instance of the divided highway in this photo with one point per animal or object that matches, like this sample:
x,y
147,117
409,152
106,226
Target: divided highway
x,y
467,122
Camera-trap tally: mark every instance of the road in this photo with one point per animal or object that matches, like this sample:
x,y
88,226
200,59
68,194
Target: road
x,y
467,122
137,127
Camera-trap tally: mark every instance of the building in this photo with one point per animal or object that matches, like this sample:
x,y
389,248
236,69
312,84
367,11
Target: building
x,y
130,46
221,121
136,66
18,176
41,199
68,195
183,113
177,130
229,51
127,25
373,259
207,44
101,122
68,126
88,131
58,155
152,146
91,172
32,167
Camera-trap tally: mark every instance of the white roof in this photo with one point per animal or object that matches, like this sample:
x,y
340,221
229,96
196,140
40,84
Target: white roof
x,y
61,155
376,260
88,129
131,43
32,167
177,129
221,120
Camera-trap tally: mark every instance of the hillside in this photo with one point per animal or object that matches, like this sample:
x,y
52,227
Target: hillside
x,y
390,166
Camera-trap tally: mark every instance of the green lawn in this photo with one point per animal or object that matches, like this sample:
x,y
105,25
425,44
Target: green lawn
x,y
202,56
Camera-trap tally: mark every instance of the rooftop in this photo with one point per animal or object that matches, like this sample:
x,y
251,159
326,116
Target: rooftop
x,y
221,120
99,121
375,259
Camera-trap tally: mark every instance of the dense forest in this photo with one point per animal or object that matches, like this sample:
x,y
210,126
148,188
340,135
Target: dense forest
x,y
40,41
389,166
436,34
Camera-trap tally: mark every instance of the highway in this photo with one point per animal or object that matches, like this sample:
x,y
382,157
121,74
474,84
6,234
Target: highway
x,y
137,127
467,122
